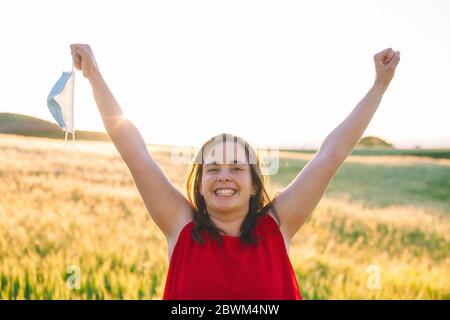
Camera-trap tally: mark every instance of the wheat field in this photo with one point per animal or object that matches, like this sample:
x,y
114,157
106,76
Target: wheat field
x,y
72,226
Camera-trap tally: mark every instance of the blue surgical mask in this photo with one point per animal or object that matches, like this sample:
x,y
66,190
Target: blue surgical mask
x,y
60,102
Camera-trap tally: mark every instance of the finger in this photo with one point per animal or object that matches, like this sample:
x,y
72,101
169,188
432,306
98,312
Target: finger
x,y
79,49
388,56
74,50
395,60
387,59
76,59
382,53
74,47
384,58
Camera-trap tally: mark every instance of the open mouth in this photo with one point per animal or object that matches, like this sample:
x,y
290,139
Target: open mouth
x,y
225,192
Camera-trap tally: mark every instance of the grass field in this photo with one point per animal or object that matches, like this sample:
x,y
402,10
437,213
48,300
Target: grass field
x,y
382,230
432,153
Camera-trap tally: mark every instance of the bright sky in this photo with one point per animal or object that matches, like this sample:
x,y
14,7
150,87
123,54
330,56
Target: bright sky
x,y
273,72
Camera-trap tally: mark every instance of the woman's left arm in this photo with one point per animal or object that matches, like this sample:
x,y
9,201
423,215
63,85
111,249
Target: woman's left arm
x,y
298,200
341,141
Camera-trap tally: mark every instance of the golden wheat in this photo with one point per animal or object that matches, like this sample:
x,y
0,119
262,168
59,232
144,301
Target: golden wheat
x,y
67,211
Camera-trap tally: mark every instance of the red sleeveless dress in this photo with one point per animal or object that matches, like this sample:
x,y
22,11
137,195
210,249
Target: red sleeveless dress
x,y
231,271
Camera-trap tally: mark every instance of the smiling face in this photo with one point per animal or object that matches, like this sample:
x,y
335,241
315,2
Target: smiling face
x,y
226,188
226,183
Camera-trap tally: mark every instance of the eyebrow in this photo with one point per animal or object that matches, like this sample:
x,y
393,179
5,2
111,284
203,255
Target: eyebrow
x,y
215,163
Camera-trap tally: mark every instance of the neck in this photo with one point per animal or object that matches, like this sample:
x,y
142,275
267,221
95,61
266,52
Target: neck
x,y
230,222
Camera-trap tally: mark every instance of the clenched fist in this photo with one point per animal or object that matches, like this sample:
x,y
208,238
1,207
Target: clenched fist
x,y
386,62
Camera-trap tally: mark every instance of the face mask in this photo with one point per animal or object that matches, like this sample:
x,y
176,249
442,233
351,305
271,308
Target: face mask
x,y
60,103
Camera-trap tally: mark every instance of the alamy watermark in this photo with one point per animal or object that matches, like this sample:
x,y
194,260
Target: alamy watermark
x,y
374,278
220,152
73,281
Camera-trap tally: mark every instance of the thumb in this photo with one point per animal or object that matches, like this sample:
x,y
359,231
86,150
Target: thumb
x,y
77,55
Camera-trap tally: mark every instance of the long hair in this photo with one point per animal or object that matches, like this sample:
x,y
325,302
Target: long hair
x,y
259,204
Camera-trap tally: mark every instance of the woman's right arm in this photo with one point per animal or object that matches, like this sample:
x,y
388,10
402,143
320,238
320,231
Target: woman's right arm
x,y
167,206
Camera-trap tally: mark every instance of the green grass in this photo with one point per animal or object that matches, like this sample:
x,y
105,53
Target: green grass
x,y
432,153
380,185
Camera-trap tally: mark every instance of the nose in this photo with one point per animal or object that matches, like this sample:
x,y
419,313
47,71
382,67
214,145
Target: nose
x,y
224,174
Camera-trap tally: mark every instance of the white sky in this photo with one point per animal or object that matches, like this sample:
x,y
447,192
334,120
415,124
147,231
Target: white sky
x,y
273,72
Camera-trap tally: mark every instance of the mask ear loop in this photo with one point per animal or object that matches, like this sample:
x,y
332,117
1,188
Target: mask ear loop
x,y
73,102
65,129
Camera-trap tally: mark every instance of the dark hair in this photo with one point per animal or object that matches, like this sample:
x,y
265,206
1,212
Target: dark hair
x,y
259,204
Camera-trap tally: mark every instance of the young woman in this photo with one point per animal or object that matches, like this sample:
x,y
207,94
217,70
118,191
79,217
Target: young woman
x,y
228,239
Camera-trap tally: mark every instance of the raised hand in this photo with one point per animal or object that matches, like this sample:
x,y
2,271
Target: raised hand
x,y
386,62
84,60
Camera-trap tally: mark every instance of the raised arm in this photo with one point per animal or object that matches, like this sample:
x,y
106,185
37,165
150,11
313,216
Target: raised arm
x,y
298,200
168,207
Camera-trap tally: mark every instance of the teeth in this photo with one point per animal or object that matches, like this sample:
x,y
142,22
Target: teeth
x,y
227,192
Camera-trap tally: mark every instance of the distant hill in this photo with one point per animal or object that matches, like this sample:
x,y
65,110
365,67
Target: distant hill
x,y
373,142
13,123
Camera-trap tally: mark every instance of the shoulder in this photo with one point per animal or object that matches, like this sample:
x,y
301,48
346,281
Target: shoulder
x,y
183,229
270,219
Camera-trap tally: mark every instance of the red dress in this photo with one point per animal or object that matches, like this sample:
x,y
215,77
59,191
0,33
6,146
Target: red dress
x,y
232,271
